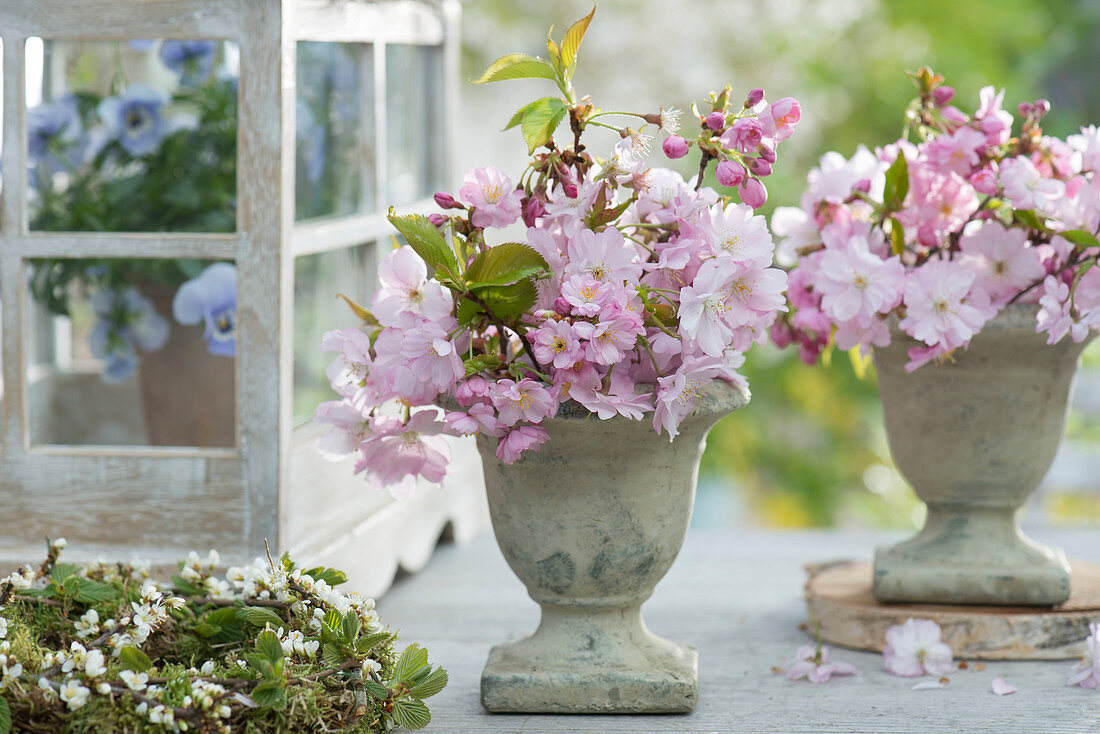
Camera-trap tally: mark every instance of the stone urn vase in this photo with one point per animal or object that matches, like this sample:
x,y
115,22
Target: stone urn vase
x,y
975,436
590,523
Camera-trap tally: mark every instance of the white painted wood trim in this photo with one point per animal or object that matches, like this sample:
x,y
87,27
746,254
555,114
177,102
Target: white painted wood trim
x,y
124,244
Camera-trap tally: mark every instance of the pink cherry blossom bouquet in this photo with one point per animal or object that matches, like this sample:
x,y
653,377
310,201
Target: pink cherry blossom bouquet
x,y
944,232
630,289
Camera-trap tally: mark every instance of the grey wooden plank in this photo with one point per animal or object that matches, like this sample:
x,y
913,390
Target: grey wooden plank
x,y
736,595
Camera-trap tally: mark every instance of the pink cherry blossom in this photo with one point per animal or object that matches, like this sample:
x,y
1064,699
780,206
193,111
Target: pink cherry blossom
x,y
520,439
1001,687
915,648
1003,260
585,294
753,192
814,665
940,307
995,122
676,393
855,285
609,340
744,135
407,289
618,399
604,256
472,390
958,151
526,400
1025,186
735,231
704,307
429,357
348,428
1055,319
582,376
490,192
479,418
1087,674
556,343
729,173
785,115
404,452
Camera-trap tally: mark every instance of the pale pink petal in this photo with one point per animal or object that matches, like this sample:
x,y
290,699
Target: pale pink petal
x,y
928,685
1001,688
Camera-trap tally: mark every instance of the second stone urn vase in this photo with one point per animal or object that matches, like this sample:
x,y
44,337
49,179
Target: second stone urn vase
x,y
590,523
975,436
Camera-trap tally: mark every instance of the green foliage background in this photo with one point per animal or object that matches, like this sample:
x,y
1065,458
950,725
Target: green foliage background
x,y
810,449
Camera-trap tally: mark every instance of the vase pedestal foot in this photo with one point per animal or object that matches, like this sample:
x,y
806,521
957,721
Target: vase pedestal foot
x,y
591,662
967,555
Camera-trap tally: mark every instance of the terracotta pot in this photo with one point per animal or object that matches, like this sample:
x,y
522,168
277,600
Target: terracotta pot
x,y
188,396
975,436
590,523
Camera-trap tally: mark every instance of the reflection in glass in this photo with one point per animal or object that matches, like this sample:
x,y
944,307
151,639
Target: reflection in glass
x,y
132,136
335,130
317,278
414,122
132,352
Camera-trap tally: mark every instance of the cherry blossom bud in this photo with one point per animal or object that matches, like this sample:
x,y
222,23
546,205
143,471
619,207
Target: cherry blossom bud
x,y
760,167
675,146
533,208
754,98
984,182
942,95
954,114
716,120
730,173
446,201
438,220
561,306
570,190
863,186
1042,107
766,153
1025,109
753,192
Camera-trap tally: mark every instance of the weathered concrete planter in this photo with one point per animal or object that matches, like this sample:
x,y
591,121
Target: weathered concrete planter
x,y
974,437
590,523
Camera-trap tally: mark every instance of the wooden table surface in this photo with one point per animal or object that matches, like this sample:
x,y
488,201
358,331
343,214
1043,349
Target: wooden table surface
x,y
737,596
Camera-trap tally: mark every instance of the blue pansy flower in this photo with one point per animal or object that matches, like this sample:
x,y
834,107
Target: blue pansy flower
x,y
126,322
135,118
52,126
193,60
211,299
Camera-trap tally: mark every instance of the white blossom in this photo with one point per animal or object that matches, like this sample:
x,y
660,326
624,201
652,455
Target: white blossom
x,y
74,694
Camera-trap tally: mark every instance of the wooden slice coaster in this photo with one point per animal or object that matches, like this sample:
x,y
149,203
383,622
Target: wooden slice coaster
x,y
838,595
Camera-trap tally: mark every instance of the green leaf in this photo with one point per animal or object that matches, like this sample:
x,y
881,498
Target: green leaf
x,y
260,664
5,716
516,66
184,587
351,626
367,318
505,264
134,659
468,313
333,619
63,571
261,616
1029,219
376,690
366,643
430,685
509,301
572,41
897,183
333,655
270,695
412,659
540,121
411,714
94,592
330,576
480,362
205,629
268,645
554,53
426,240
897,236
1081,237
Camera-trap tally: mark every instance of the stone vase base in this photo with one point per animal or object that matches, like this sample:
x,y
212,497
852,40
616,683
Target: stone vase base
x,y
970,556
591,663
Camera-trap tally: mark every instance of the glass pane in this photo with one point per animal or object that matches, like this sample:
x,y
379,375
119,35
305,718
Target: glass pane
x,y
414,121
132,136
132,352
334,173
317,280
